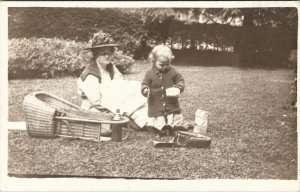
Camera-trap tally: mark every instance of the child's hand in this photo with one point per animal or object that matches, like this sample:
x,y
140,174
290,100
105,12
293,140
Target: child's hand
x,y
146,91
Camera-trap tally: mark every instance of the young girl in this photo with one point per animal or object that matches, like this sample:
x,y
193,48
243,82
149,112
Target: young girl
x,y
101,84
164,111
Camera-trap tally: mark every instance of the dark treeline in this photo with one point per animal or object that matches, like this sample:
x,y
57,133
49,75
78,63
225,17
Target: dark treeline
x,y
265,38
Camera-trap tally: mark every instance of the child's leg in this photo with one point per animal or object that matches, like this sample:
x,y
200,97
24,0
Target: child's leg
x,y
178,123
157,122
159,126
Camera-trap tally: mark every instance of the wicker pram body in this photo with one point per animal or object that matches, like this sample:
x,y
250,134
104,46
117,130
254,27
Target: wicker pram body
x,y
50,116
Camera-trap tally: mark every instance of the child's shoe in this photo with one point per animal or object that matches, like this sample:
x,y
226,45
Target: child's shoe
x,y
185,127
167,130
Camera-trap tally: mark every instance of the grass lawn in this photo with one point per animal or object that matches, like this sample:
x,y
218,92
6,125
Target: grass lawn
x,y
252,126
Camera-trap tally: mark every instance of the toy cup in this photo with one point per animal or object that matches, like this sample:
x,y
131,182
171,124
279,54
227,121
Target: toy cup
x,y
172,92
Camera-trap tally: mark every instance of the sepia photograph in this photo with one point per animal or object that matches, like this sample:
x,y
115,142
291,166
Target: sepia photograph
x,y
184,93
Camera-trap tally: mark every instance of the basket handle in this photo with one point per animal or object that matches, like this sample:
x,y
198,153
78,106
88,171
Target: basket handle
x,y
68,127
99,108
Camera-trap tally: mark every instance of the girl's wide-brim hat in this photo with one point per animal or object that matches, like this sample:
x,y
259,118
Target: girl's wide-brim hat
x,y
100,40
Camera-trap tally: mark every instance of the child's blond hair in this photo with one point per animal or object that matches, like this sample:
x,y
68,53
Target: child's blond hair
x,y
161,50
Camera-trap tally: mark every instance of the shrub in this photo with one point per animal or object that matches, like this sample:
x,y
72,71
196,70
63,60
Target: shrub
x,y
123,62
44,57
52,57
128,44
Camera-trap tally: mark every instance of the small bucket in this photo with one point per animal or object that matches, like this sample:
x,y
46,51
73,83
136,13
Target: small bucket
x,y
116,134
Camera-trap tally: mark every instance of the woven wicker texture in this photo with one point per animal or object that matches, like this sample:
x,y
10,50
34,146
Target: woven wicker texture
x,y
55,102
50,116
79,129
39,117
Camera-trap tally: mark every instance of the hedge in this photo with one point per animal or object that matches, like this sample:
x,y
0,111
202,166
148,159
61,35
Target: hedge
x,y
53,57
77,24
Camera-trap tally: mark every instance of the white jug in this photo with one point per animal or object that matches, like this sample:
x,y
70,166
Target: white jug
x,y
200,122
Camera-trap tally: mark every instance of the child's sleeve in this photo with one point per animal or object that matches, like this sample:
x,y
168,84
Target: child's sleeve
x,y
146,83
179,81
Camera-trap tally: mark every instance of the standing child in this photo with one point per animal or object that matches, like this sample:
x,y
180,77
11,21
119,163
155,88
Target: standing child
x,y
163,110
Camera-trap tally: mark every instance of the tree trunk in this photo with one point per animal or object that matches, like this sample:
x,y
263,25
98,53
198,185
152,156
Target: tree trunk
x,y
214,43
193,43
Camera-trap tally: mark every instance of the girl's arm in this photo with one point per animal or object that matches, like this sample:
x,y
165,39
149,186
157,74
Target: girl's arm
x,y
90,87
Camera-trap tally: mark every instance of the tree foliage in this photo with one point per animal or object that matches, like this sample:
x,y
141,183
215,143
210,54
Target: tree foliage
x,y
266,36
75,24
259,36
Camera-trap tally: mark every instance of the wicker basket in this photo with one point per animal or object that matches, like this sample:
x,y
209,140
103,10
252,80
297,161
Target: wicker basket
x,y
51,116
39,117
85,125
